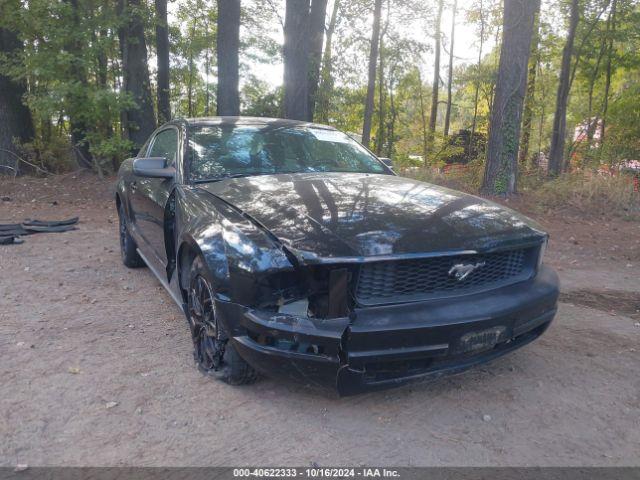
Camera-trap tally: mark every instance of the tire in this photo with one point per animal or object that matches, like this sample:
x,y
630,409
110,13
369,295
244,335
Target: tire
x,y
128,247
213,353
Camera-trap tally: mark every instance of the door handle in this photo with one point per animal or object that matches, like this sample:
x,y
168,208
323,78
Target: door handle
x,y
134,186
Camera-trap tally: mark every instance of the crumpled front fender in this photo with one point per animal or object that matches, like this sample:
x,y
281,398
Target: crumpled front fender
x,y
237,253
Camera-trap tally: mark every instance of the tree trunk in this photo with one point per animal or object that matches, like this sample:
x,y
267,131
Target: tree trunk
x,y
543,115
140,120
162,52
593,122
435,92
371,87
605,106
296,60
447,117
228,39
192,71
380,137
556,153
391,137
77,98
120,80
502,159
207,69
477,83
381,100
15,117
527,116
423,117
316,39
326,81
104,124
492,92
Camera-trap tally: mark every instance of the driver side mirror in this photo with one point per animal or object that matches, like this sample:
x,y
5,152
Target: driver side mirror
x,y
153,167
387,161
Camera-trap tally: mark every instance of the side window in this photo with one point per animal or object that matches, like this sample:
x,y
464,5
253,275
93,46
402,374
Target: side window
x,y
166,145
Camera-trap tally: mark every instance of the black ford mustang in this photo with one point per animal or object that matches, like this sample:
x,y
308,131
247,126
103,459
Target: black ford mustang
x,y
294,251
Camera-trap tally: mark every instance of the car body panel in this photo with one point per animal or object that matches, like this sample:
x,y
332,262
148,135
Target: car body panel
x,y
421,339
344,215
251,230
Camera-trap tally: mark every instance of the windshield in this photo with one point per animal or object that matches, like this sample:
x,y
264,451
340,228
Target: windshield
x,y
222,151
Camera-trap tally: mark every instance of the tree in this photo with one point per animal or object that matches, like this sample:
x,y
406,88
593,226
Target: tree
x,y
556,153
77,92
162,58
326,79
296,61
140,119
317,17
477,81
373,63
423,118
436,70
502,163
527,115
228,95
15,117
380,137
447,118
611,28
302,50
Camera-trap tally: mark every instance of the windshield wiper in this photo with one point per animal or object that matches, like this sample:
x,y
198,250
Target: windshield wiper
x,y
224,177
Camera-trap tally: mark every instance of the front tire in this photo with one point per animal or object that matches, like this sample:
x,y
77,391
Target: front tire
x,y
128,247
213,352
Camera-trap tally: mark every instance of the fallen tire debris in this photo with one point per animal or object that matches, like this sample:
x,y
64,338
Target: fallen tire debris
x,y
10,233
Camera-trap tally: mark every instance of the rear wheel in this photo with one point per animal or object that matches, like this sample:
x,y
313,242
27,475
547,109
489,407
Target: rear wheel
x,y
128,247
213,353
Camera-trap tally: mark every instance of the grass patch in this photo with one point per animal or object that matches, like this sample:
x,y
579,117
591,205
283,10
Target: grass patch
x,y
589,193
585,192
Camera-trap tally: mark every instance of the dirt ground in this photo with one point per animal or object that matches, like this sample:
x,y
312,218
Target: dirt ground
x,y
96,366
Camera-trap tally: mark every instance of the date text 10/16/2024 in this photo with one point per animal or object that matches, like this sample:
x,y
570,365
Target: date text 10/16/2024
x,y
316,472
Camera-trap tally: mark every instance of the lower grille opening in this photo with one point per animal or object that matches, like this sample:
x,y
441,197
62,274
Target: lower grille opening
x,y
389,370
381,371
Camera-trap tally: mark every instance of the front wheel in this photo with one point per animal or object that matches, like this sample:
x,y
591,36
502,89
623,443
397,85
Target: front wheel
x,y
213,353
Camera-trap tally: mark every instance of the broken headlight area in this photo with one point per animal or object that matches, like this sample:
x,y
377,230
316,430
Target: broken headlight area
x,y
328,294
322,292
267,291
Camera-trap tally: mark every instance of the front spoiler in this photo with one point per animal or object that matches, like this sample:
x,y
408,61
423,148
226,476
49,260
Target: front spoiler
x,y
382,347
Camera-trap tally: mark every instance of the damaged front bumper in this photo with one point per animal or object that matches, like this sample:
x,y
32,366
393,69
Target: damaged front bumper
x,y
385,346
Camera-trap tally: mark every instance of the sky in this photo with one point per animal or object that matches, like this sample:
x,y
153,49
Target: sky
x,y
465,49
466,46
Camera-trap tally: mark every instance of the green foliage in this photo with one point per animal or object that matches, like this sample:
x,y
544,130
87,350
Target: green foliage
x,y
261,100
72,65
65,64
623,124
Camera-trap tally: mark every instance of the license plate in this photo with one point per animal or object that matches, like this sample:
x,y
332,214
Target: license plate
x,y
474,342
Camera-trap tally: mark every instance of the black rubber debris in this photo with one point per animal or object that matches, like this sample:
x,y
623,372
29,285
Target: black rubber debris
x,y
10,233
50,223
10,240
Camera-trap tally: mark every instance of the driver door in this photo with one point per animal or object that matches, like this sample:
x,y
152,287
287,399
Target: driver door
x,y
151,194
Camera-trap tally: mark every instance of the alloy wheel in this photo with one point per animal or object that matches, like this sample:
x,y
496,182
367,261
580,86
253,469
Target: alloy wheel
x,y
208,348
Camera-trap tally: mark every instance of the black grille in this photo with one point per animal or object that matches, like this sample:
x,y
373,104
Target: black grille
x,y
416,279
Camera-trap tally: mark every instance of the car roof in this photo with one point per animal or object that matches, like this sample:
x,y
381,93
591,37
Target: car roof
x,y
257,121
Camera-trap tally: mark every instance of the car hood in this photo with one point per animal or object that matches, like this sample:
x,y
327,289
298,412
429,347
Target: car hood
x,y
336,216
